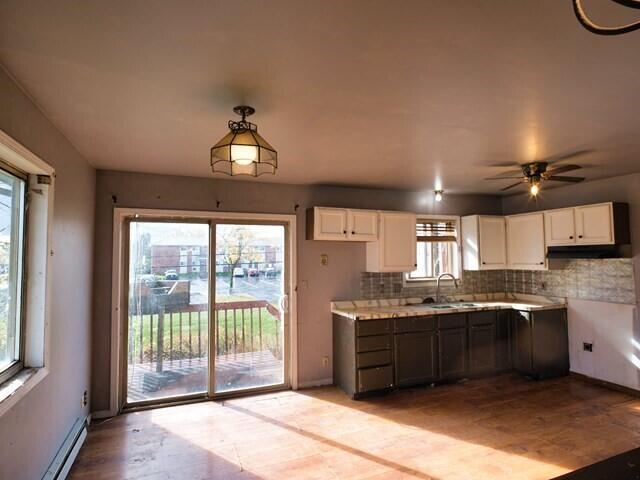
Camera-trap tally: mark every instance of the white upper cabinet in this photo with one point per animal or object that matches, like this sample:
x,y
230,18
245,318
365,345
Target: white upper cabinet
x,y
327,223
324,223
484,242
594,224
525,242
362,225
395,249
559,227
598,224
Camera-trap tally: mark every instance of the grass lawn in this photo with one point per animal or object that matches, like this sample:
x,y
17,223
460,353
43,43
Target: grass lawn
x,y
176,323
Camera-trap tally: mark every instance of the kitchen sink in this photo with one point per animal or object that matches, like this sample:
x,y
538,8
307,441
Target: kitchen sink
x,y
454,305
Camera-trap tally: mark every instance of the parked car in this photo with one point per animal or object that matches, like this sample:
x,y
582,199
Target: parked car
x,y
171,275
270,272
147,278
238,272
253,272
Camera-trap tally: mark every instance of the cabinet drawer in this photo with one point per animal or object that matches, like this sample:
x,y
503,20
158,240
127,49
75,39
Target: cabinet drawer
x,y
376,342
375,378
482,318
414,324
373,359
373,327
453,320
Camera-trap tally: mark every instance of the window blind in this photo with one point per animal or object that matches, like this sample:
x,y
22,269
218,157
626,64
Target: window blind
x,y
436,231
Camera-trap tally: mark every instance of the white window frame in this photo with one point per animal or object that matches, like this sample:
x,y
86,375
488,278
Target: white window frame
x,y
425,282
36,335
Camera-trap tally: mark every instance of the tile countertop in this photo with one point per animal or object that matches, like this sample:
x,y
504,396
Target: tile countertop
x,y
413,307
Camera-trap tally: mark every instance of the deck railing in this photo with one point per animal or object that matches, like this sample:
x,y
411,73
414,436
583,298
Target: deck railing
x,y
181,332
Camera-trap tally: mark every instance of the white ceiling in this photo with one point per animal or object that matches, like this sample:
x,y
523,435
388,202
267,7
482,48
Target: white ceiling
x,y
399,94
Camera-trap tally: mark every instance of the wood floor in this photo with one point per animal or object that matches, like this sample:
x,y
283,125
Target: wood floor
x,y
503,427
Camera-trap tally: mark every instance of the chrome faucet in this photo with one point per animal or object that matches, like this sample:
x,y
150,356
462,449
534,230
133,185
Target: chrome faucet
x,y
455,283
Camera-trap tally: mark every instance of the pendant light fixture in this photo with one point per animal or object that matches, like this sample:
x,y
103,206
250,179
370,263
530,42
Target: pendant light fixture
x,y
243,151
593,27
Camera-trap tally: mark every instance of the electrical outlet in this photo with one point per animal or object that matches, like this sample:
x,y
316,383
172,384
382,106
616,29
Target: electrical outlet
x,y
587,347
324,259
84,399
325,361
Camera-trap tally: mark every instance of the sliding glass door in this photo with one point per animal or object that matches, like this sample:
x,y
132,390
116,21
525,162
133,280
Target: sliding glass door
x,y
168,311
172,351
250,306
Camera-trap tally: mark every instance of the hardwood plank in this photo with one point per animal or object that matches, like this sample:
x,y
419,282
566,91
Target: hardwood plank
x,y
495,428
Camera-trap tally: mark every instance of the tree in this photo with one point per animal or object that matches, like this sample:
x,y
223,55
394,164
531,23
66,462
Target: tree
x,y
233,248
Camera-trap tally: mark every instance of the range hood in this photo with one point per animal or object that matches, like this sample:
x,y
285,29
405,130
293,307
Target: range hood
x,y
585,251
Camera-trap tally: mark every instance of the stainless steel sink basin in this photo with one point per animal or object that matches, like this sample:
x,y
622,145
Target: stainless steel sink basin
x,y
454,305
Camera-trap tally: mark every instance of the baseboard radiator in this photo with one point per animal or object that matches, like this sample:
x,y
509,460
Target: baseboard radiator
x,y
61,464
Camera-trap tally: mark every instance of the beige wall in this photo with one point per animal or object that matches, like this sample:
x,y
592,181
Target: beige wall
x,y
33,430
339,280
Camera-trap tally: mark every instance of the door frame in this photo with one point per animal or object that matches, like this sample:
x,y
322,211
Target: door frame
x,y
119,288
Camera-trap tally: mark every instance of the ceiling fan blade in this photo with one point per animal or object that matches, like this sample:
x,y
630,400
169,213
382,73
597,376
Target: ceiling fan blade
x,y
509,174
502,178
565,179
562,168
511,186
565,156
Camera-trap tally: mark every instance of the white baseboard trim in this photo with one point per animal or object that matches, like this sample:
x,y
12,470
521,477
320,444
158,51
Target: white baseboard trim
x,y
63,461
315,383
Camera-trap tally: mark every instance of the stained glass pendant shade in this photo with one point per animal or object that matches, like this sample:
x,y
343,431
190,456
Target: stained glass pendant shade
x,y
243,151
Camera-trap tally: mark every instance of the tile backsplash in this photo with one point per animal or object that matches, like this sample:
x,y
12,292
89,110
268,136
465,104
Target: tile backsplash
x,y
607,280
390,285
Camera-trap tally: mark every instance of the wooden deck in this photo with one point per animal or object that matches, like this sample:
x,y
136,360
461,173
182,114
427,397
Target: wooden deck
x,y
187,376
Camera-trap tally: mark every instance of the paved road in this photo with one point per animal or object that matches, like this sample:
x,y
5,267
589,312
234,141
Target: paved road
x,y
256,287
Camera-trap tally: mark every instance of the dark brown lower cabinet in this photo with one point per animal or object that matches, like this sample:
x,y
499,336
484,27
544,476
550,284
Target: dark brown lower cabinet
x,y
541,343
371,356
416,359
452,347
503,340
482,348
523,359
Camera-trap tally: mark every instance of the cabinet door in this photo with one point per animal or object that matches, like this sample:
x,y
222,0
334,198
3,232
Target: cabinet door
x,y
452,347
330,224
493,243
594,224
550,343
395,250
416,358
362,225
525,242
523,347
559,227
482,348
503,340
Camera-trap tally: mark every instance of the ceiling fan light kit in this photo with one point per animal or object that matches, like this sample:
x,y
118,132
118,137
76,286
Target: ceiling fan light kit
x,y
533,174
243,151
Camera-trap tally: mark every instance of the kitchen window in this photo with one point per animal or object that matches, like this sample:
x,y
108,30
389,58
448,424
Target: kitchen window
x,y
26,202
438,249
12,223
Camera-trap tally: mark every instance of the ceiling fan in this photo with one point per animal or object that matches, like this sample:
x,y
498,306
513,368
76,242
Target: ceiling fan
x,y
533,174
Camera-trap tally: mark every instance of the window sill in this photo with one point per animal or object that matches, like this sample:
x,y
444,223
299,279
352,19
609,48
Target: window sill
x,y
18,386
